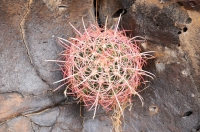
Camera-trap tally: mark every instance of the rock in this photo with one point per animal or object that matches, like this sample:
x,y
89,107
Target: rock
x,y
17,74
18,124
29,32
14,104
69,119
189,4
28,38
44,129
45,118
63,118
98,125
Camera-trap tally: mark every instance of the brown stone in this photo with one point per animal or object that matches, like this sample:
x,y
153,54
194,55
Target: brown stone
x,y
18,124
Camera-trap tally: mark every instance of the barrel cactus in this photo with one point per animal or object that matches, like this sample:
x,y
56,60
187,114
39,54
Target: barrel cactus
x,y
104,67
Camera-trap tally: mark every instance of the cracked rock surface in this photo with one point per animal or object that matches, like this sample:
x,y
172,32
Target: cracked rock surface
x,y
29,29
28,37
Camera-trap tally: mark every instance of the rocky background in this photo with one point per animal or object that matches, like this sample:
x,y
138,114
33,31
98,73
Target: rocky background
x,y
29,29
